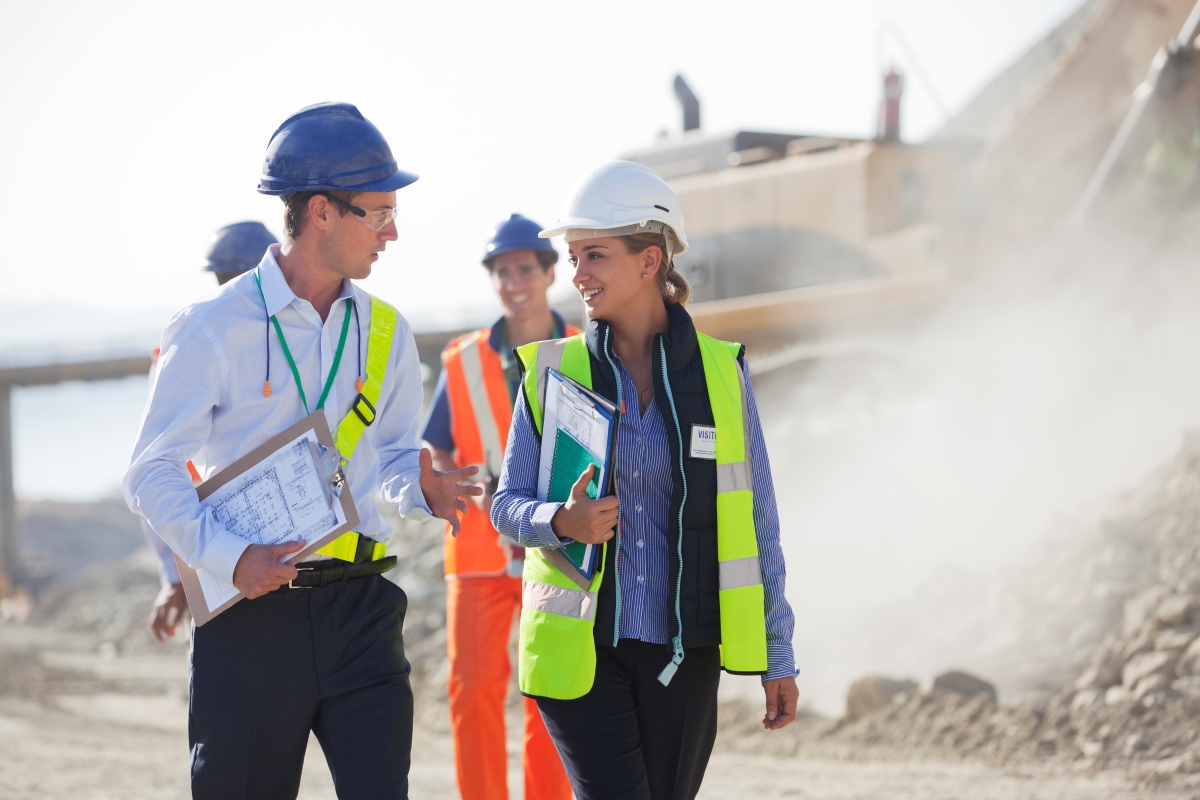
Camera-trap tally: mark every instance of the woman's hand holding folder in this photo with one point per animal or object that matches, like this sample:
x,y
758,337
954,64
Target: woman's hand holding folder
x,y
583,519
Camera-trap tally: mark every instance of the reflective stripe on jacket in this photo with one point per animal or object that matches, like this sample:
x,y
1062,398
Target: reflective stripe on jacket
x,y
557,647
480,416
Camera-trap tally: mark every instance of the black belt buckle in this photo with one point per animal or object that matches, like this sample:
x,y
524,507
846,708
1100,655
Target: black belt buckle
x,y
364,401
327,575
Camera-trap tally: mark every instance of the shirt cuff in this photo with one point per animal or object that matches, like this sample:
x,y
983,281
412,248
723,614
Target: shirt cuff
x,y
169,570
543,533
412,503
222,553
781,662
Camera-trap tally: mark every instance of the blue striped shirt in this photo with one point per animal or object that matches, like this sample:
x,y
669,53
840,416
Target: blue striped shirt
x,y
644,485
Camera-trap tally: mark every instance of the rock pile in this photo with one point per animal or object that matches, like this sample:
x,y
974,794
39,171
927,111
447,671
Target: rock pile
x,y
1124,624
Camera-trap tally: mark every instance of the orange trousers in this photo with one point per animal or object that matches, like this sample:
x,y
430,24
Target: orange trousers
x,y
479,616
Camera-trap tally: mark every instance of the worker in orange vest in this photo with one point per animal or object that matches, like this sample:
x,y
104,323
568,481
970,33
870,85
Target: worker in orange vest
x,y
234,249
467,424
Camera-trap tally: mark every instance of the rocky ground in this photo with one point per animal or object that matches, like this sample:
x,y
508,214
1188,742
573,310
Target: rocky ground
x,y
1114,634
92,707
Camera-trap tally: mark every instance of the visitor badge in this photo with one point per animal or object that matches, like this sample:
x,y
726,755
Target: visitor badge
x,y
704,442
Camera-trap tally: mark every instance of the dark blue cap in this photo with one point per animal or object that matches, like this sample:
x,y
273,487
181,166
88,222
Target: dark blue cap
x,y
238,247
517,233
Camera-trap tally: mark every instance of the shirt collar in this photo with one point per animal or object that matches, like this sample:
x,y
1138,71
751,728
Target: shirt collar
x,y
496,334
275,290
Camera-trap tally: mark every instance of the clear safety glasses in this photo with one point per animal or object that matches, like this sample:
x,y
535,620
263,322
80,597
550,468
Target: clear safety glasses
x,y
376,219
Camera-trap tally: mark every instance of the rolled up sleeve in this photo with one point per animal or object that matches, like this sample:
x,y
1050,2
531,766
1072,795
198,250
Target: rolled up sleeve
x,y
398,437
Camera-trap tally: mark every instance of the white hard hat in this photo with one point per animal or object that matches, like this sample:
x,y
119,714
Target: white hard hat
x,y
619,199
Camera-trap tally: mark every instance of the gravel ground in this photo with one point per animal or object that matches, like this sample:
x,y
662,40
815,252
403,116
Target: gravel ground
x,y
80,719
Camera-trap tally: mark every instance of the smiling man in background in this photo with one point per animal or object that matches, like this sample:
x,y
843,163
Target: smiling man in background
x,y
467,425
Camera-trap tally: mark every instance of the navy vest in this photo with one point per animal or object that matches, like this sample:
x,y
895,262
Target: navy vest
x,y
699,604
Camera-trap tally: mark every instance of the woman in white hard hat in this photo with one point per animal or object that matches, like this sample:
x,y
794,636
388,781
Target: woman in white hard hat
x,y
625,663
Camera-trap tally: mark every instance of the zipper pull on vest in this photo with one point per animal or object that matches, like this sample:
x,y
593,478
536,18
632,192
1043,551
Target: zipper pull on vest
x,y
669,671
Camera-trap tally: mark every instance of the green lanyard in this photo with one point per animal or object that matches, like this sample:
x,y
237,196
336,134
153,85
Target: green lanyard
x,y
337,356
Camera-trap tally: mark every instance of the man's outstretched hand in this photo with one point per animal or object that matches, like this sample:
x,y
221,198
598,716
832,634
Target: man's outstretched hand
x,y
260,570
444,491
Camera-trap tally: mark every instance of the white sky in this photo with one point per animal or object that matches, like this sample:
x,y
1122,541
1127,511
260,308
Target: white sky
x,y
132,130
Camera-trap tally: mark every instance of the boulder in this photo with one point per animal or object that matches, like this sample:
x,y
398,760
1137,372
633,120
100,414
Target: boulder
x,y
1174,610
874,692
1104,672
1189,662
1188,687
1146,664
1174,639
964,684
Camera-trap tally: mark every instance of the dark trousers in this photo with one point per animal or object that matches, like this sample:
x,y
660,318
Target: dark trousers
x,y
267,671
630,737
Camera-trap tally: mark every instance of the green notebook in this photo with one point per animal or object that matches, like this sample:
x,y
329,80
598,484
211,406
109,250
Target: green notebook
x,y
570,460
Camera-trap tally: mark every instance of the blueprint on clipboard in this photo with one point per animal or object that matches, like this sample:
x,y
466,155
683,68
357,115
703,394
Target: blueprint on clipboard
x,y
282,498
578,427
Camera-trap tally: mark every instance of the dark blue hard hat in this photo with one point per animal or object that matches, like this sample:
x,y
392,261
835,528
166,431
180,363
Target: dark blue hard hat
x,y
518,233
330,147
238,247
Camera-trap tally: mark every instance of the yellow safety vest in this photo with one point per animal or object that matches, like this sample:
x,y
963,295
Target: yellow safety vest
x,y
362,414
556,647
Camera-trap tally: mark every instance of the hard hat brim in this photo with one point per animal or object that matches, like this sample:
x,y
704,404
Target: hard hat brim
x,y
397,180
583,223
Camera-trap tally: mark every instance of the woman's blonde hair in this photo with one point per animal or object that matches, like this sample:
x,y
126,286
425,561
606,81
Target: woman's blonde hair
x,y
673,286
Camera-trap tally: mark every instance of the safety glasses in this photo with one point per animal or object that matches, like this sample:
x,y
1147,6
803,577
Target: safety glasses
x,y
376,219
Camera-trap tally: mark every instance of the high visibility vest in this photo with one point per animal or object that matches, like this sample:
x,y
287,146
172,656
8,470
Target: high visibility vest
x,y
480,416
362,414
557,649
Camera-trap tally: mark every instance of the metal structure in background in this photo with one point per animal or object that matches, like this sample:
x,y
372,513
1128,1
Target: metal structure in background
x,y
43,374
1164,112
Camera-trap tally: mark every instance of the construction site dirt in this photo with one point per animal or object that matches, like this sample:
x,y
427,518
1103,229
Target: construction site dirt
x,y
88,699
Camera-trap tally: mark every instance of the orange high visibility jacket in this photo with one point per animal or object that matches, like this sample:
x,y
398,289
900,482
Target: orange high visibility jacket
x,y
480,415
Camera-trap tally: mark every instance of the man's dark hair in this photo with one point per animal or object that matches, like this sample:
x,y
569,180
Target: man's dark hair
x,y
546,258
295,212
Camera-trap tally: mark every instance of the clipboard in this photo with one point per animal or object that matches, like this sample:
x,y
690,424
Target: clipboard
x,y
314,424
579,428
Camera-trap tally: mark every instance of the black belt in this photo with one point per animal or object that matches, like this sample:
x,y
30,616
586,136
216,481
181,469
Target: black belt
x,y
313,574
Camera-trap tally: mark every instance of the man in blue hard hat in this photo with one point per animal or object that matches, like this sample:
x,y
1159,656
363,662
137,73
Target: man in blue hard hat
x,y
235,249
467,425
317,646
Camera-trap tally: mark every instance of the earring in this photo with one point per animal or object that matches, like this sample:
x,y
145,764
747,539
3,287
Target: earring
x,y
644,275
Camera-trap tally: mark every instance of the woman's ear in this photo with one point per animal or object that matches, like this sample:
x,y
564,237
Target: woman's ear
x,y
652,258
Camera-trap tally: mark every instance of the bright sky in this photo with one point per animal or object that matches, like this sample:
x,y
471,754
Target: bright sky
x,y
133,130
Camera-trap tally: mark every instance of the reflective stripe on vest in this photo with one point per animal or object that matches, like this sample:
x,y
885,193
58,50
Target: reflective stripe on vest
x,y
481,403
742,603
557,651
558,600
362,413
480,412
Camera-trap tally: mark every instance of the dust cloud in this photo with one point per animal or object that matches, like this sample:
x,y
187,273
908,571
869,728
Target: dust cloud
x,y
928,473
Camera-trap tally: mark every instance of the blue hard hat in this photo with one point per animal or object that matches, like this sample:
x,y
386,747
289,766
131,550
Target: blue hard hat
x,y
517,233
329,147
238,247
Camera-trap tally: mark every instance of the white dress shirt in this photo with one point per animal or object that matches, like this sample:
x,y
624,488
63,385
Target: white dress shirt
x,y
206,403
